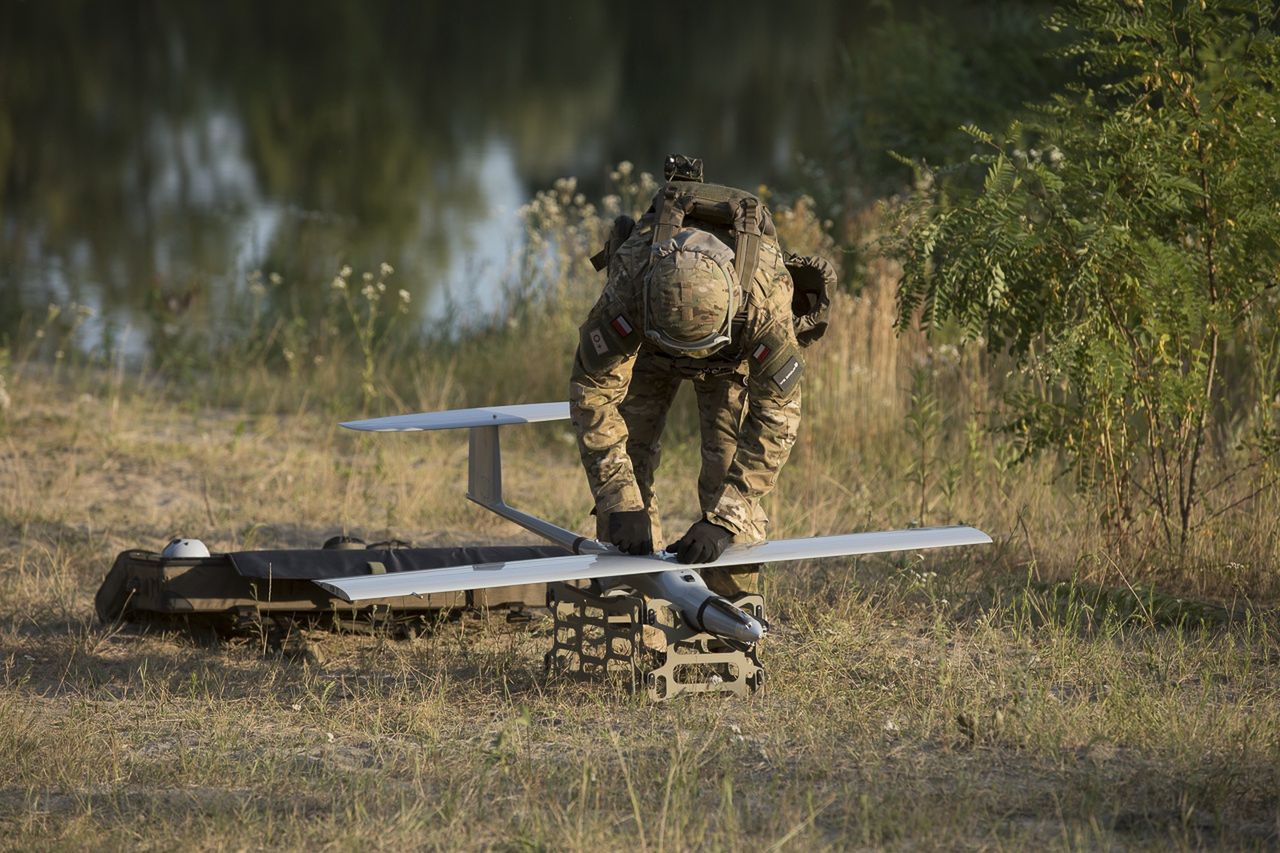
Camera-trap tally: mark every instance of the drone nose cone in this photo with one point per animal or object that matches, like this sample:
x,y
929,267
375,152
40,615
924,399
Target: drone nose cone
x,y
721,618
701,607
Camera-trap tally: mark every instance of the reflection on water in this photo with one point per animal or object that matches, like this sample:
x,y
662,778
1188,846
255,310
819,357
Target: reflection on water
x,y
153,153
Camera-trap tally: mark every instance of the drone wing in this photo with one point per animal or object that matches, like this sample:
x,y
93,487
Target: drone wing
x,y
490,416
612,564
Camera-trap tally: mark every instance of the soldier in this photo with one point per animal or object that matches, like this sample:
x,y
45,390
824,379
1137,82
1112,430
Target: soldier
x,y
697,290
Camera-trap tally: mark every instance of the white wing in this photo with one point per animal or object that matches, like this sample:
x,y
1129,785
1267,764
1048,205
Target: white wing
x,y
528,413
587,566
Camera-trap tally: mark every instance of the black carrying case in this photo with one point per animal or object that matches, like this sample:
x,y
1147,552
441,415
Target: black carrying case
x,y
280,583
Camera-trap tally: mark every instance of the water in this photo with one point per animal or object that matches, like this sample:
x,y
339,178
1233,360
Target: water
x,y
153,154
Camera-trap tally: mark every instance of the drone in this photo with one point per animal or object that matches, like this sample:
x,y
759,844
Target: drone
x,y
601,565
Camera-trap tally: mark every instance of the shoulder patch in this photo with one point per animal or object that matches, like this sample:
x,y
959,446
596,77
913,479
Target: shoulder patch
x,y
598,342
774,360
606,336
621,325
788,375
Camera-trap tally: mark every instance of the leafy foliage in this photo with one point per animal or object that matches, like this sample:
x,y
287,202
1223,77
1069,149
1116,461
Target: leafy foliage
x,y
1123,249
919,75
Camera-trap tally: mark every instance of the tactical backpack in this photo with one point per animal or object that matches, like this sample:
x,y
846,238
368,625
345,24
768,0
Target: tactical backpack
x,y
741,216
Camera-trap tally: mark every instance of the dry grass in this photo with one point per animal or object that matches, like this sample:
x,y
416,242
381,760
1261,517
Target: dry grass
x,y
1040,692
938,703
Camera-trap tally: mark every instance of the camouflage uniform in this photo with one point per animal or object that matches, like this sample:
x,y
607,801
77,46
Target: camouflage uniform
x,y
748,396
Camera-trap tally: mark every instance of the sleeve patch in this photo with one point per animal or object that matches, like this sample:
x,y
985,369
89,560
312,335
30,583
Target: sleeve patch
x,y
621,326
598,341
608,335
788,375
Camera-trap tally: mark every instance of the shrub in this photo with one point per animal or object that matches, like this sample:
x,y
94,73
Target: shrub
x,y
1123,249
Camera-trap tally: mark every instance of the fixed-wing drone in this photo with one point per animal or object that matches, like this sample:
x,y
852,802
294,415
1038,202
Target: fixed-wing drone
x,y
657,576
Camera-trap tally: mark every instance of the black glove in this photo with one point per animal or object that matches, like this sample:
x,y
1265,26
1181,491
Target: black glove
x,y
703,543
630,531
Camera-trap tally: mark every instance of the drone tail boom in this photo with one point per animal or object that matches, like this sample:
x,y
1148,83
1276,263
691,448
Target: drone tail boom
x,y
484,459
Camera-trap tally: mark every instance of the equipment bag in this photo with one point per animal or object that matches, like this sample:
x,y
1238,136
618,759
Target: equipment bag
x,y
814,278
144,583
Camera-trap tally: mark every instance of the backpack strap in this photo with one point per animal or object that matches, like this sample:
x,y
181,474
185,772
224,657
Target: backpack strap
x,y
741,212
747,217
675,204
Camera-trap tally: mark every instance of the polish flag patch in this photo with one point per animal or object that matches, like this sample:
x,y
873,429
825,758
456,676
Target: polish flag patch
x,y
621,326
761,353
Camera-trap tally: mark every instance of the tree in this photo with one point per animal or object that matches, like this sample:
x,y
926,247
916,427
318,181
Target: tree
x,y
1123,250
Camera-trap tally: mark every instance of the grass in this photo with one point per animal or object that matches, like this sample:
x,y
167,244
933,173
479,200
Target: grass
x,y
943,702
1058,689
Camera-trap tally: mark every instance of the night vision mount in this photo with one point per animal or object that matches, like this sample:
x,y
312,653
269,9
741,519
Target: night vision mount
x,y
678,167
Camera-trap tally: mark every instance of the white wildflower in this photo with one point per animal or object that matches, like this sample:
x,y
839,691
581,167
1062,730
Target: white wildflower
x,y
275,278
386,269
339,283
345,272
404,296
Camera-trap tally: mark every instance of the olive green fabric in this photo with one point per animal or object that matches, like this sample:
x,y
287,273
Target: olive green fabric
x,y
738,213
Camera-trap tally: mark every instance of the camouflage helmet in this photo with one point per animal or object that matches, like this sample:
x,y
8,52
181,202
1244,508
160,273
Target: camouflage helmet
x,y
691,294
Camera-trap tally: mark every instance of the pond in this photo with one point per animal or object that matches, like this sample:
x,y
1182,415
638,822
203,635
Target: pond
x,y
154,154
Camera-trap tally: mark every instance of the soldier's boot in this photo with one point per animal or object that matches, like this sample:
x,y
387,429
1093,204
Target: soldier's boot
x,y
732,581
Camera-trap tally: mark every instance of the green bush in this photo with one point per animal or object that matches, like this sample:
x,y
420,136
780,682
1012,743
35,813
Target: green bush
x,y
1123,249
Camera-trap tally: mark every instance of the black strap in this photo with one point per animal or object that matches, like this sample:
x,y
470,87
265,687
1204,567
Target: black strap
x,y
702,608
